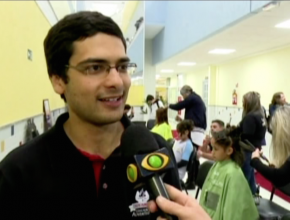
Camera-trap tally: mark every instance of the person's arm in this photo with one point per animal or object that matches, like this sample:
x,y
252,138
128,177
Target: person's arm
x,y
180,105
186,155
278,176
205,155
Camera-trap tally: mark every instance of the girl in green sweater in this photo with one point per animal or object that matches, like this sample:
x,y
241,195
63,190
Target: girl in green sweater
x,y
226,194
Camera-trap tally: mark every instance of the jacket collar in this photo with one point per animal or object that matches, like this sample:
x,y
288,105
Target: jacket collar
x,y
62,152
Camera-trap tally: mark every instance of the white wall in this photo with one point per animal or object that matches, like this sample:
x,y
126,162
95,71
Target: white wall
x,y
195,79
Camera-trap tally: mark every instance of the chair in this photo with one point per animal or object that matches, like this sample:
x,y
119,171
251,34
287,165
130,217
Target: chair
x,y
270,210
286,217
202,174
151,123
171,142
143,123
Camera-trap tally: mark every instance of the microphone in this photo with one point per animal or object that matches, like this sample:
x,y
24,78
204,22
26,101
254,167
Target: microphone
x,y
147,161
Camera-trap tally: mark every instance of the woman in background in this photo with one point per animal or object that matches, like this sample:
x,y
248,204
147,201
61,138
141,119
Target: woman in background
x,y
253,129
162,126
280,147
278,100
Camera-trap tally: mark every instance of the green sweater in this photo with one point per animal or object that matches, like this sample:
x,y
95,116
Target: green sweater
x,y
226,193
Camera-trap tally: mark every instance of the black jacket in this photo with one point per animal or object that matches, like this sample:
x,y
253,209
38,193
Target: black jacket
x,y
48,178
195,109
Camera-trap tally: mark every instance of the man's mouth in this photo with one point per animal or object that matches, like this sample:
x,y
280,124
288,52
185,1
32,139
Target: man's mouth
x,y
111,99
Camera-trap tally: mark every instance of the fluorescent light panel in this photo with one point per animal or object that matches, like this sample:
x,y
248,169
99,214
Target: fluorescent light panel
x,y
285,24
221,51
167,71
186,64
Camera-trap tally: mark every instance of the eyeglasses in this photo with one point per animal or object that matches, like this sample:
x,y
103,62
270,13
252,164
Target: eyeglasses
x,y
97,68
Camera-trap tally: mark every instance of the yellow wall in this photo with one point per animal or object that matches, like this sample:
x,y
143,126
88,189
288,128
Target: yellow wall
x,y
196,78
136,95
23,83
266,74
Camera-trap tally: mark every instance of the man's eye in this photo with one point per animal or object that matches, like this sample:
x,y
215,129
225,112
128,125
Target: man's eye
x,y
123,67
94,68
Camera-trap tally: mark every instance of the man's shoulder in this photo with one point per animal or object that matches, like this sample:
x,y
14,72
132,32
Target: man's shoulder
x,y
160,140
30,153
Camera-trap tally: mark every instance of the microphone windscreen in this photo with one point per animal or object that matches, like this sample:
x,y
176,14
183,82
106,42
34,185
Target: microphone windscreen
x,y
137,139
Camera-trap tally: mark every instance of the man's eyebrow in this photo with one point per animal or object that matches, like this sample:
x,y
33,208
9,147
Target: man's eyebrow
x,y
96,60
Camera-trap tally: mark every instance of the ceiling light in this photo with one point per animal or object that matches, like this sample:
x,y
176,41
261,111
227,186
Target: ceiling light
x,y
186,64
167,71
285,24
222,51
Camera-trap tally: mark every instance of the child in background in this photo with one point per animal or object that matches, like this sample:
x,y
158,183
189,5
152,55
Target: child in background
x,y
226,194
183,148
162,126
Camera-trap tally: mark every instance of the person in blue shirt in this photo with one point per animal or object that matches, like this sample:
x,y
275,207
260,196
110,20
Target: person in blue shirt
x,y
183,148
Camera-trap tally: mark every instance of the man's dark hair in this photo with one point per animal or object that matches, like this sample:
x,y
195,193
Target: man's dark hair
x,y
219,122
58,44
127,107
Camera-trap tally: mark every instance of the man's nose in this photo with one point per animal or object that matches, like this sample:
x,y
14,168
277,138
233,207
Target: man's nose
x,y
113,79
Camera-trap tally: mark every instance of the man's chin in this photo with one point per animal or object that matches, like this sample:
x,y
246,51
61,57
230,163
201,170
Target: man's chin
x,y
108,119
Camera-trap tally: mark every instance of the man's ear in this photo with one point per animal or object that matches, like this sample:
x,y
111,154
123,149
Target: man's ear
x,y
57,84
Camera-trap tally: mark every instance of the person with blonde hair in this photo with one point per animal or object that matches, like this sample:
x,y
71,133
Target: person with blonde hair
x,y
280,150
253,130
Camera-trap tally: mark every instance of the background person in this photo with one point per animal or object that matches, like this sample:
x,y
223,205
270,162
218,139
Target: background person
x,y
253,129
219,196
205,150
280,147
162,126
183,148
195,110
128,109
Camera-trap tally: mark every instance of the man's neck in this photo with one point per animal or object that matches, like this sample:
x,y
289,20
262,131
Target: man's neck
x,y
98,140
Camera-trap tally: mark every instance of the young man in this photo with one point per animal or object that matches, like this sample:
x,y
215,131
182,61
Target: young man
x,y
76,170
205,151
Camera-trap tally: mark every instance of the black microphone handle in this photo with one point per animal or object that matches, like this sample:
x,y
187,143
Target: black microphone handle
x,y
158,189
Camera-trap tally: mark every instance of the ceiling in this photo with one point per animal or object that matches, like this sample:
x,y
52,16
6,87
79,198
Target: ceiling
x,y
252,36
120,11
152,30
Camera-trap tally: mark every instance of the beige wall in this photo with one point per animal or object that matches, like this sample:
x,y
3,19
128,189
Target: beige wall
x,y
266,74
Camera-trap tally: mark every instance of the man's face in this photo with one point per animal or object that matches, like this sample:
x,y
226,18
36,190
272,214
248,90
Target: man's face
x,y
100,98
215,127
283,99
